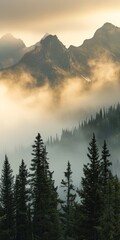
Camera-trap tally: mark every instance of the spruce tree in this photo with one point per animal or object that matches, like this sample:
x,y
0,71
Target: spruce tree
x,y
2,222
116,208
107,220
54,223
7,220
91,193
37,150
29,225
43,194
105,166
106,230
69,203
110,218
21,198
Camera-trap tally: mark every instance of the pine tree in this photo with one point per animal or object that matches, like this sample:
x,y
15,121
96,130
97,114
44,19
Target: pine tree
x,y
90,193
69,203
37,150
29,225
2,222
7,203
43,194
107,189
22,197
107,220
105,166
116,208
110,219
53,224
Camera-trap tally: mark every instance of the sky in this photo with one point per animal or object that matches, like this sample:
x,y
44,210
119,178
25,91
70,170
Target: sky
x,y
72,21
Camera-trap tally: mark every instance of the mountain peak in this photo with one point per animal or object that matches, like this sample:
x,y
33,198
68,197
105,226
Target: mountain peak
x,y
107,28
51,42
45,36
49,37
7,37
8,40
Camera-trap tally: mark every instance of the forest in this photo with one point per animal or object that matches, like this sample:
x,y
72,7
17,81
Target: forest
x,y
31,208
105,124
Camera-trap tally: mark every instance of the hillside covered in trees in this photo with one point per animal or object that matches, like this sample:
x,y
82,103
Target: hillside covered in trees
x,y
105,124
31,209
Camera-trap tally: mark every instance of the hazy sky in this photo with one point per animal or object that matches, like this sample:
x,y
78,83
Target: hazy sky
x,y
72,20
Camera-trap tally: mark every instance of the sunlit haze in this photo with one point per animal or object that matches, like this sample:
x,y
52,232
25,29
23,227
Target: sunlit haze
x,y
72,21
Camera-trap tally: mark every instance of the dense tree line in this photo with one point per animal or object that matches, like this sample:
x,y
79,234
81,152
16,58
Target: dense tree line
x,y
105,124
30,208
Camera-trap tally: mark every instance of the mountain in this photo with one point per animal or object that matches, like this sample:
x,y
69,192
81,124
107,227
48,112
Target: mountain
x,y
50,60
11,50
106,40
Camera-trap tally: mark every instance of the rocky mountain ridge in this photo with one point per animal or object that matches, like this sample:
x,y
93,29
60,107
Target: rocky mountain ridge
x,y
49,60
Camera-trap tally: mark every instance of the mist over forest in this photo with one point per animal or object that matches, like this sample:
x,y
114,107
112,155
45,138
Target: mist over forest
x,y
59,138
46,92
49,110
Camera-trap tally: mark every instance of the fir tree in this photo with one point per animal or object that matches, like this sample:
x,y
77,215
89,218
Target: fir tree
x,y
69,203
21,197
90,193
43,194
29,225
7,221
37,150
105,166
116,208
107,190
107,219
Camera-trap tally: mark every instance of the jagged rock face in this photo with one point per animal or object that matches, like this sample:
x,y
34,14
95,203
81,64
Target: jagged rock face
x,y
50,60
106,40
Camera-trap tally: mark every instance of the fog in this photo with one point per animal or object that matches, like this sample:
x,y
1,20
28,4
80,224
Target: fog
x,y
26,109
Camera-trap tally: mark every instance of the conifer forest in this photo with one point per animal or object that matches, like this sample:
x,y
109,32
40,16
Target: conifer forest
x,y
60,120
31,208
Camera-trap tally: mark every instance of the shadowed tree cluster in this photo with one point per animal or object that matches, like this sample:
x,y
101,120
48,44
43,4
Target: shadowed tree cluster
x,y
30,208
105,124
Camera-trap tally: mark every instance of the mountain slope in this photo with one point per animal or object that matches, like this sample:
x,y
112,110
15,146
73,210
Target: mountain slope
x,y
50,60
11,50
106,40
105,125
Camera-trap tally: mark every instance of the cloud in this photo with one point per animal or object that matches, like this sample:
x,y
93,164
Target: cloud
x,y
39,14
26,109
42,9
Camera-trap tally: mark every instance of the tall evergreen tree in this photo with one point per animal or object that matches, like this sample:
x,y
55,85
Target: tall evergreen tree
x,y
69,203
90,193
37,151
106,228
105,166
107,189
21,198
29,225
42,193
7,203
116,208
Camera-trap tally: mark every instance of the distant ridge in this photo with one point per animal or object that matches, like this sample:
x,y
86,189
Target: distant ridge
x,y
11,50
50,60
